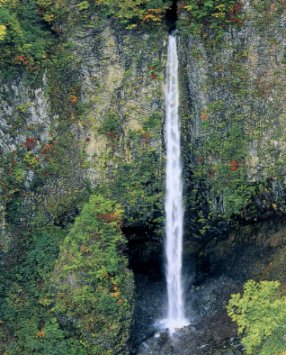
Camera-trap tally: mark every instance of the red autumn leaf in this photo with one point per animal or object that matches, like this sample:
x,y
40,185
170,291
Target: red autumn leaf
x,y
234,165
30,143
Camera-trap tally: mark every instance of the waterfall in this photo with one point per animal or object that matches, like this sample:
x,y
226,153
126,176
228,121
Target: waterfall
x,y
174,196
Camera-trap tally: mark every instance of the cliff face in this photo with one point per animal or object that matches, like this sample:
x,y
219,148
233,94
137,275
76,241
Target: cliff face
x,y
232,107
122,87
122,75
92,120
106,112
233,112
102,103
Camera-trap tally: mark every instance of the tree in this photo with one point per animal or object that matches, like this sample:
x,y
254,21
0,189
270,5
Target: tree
x,y
93,287
260,313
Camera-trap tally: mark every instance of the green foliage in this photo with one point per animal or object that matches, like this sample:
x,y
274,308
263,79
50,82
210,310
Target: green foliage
x,y
211,14
221,160
31,31
84,5
110,124
38,175
93,287
133,12
26,41
23,288
54,10
153,123
220,156
49,340
209,10
137,184
260,313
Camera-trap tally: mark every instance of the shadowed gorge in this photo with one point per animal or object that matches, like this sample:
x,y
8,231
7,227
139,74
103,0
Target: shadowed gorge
x,y
172,16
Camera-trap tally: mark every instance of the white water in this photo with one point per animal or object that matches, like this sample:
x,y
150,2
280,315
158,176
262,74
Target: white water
x,y
174,197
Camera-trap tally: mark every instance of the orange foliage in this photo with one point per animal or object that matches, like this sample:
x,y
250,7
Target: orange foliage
x,y
115,294
234,12
41,334
204,116
46,148
22,59
106,275
108,217
211,173
153,15
73,99
84,249
200,159
183,5
111,134
146,137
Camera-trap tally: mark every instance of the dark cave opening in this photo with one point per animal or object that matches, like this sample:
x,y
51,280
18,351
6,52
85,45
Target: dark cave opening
x,y
145,252
172,16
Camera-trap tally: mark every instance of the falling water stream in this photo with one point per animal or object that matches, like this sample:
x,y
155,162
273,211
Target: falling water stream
x,y
174,196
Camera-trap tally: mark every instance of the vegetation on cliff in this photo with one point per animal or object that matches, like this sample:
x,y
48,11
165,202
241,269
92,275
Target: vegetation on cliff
x,y
214,15
65,286
93,288
76,300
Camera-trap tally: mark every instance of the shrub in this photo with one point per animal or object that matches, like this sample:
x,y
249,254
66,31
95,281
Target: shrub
x,y
260,313
211,14
133,12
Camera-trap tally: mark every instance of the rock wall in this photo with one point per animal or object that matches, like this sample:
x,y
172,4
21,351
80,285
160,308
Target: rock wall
x,y
110,103
233,119
93,121
122,86
90,121
122,74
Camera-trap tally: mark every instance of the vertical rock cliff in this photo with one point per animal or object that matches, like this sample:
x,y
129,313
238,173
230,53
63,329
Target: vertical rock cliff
x,y
89,120
82,113
233,118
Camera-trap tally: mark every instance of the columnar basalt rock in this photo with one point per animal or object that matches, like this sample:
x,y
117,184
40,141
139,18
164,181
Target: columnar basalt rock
x,y
123,90
233,109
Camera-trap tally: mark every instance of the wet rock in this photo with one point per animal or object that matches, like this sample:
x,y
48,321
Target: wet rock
x,y
210,328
